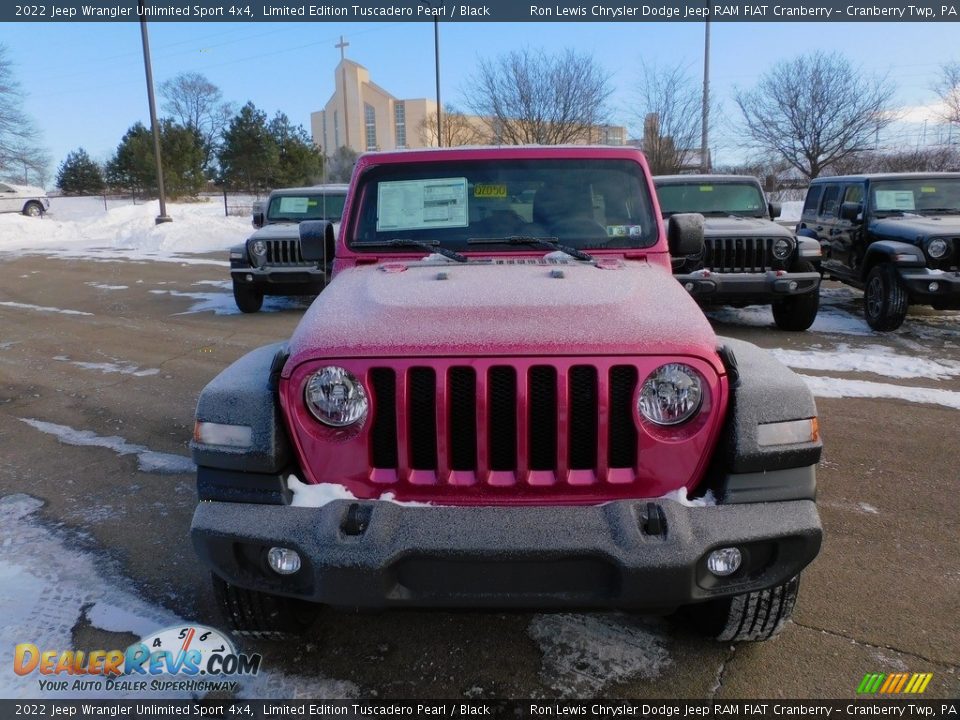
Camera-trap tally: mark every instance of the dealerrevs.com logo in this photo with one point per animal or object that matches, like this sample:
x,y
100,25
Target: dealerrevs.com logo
x,y
180,658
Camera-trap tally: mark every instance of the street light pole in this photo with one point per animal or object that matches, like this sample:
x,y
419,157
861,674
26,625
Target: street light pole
x,y
436,54
162,217
705,120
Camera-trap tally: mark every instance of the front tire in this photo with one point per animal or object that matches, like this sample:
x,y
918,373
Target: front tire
x,y
797,312
247,299
33,209
752,617
258,614
885,300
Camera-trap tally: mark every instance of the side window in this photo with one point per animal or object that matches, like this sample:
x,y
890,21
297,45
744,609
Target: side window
x,y
853,194
828,208
812,202
4,188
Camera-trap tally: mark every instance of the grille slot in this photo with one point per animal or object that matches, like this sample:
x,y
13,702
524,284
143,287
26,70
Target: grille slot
x,y
542,433
462,402
422,401
738,254
502,417
622,452
383,432
583,417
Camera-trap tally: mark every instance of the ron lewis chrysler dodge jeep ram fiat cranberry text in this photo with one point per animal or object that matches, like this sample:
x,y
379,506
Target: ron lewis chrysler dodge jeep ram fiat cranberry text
x,y
504,398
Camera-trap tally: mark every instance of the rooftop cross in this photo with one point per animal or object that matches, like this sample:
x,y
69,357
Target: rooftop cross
x,y
341,45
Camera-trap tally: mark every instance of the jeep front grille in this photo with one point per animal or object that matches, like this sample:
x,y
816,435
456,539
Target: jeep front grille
x,y
556,422
285,253
733,254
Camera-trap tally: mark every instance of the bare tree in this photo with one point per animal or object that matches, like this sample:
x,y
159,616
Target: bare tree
x,y
816,111
948,88
668,106
19,148
195,102
527,96
457,129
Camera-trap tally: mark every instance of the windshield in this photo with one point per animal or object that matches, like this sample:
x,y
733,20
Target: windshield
x,y
306,206
583,203
712,199
916,195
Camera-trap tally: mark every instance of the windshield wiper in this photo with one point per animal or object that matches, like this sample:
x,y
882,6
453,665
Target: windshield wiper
x,y
428,245
544,242
942,211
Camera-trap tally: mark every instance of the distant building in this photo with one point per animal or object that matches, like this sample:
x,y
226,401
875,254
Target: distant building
x,y
363,116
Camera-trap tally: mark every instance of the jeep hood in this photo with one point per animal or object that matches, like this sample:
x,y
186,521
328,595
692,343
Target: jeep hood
x,y
743,226
509,308
908,227
283,231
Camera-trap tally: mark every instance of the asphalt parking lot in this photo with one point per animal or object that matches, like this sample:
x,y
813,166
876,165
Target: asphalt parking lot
x,y
101,362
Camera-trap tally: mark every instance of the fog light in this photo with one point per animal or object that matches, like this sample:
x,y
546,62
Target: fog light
x,y
285,561
933,287
688,287
249,277
724,561
793,285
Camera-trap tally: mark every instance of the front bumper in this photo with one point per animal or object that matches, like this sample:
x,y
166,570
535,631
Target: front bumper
x,y
379,554
301,280
761,287
920,280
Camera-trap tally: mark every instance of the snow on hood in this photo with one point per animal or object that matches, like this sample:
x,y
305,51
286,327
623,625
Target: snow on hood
x,y
909,226
403,309
732,225
283,231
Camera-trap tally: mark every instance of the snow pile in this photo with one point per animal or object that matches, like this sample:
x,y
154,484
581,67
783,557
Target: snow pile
x,y
837,388
196,228
582,654
872,359
790,211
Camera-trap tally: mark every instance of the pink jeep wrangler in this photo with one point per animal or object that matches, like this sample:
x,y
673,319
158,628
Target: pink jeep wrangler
x,y
504,399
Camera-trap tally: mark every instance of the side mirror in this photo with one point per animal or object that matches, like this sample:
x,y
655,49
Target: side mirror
x,y
258,219
317,241
850,210
685,234
775,210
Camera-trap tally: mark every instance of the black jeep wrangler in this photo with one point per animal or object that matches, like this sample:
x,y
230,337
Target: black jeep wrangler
x,y
747,258
895,236
270,262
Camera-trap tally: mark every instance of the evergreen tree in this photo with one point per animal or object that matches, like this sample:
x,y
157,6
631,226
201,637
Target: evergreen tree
x,y
79,175
133,168
299,160
249,155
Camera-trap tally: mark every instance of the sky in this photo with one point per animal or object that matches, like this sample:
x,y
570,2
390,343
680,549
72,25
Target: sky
x,y
84,82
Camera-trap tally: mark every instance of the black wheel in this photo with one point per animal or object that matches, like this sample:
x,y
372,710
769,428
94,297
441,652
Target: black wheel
x,y
258,614
33,209
755,616
248,299
797,312
885,300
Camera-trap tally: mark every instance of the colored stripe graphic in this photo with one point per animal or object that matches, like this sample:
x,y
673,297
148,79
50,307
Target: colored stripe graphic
x,y
895,683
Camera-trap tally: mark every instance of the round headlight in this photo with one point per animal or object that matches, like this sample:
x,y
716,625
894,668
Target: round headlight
x,y
335,397
671,394
937,248
258,249
782,247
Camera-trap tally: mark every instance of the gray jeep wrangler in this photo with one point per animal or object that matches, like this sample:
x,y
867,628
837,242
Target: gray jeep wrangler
x,y
747,258
270,262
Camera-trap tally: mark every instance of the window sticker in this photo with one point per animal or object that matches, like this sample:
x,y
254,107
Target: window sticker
x,y
417,204
293,204
489,191
928,189
706,188
624,230
895,200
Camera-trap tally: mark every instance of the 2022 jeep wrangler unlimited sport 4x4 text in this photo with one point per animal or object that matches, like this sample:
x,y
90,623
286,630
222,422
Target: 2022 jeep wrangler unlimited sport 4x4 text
x,y
504,398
